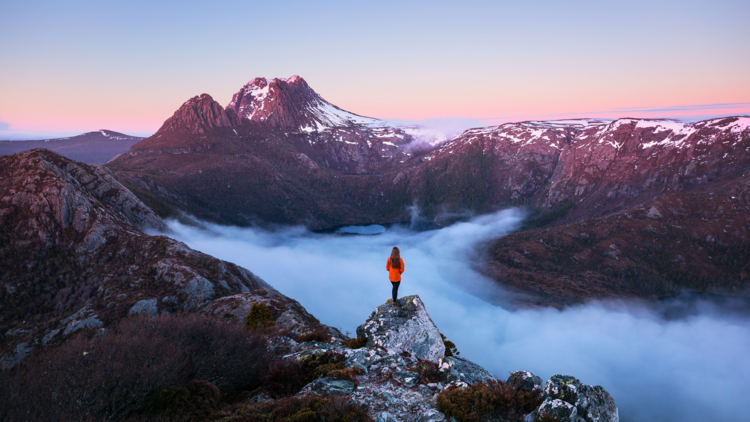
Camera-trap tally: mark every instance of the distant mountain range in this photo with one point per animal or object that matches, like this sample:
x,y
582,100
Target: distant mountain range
x,y
629,207
623,208
91,147
279,153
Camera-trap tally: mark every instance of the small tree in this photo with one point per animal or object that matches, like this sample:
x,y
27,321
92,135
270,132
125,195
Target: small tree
x,y
259,319
450,347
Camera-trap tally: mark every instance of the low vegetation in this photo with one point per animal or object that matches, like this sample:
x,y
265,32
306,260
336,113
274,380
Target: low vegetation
x,y
259,319
428,371
450,347
490,400
197,400
357,343
306,408
287,376
314,335
142,364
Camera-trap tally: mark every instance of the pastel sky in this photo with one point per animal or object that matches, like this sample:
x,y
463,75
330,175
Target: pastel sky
x,y
72,66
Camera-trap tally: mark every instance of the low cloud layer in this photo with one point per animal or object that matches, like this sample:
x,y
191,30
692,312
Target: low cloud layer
x,y
434,131
692,369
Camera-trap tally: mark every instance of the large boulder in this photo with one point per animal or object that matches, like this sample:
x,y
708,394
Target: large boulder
x,y
405,328
459,369
572,401
525,380
329,385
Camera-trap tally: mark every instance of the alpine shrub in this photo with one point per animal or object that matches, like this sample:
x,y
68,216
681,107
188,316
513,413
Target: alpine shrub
x,y
285,377
114,375
307,408
315,335
491,399
195,401
450,347
259,319
357,343
428,371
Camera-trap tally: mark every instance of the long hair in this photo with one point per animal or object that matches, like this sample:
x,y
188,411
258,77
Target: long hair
x,y
395,258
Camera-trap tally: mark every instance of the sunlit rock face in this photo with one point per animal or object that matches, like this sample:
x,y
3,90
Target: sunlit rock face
x,y
405,328
290,104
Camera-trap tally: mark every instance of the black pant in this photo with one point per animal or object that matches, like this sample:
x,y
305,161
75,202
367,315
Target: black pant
x,y
395,289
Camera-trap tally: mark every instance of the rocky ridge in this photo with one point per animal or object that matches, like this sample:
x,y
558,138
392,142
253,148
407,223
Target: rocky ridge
x,y
392,388
74,256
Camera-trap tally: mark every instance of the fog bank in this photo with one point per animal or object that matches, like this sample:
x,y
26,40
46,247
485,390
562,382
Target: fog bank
x,y
690,369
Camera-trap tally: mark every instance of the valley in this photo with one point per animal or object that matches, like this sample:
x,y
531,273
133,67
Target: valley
x,y
279,154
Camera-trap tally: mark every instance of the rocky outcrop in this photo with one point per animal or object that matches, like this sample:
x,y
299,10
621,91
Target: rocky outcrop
x,y
288,315
201,114
456,369
396,385
404,328
568,399
526,380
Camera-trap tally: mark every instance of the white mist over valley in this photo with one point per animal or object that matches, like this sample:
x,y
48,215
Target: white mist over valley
x,y
689,369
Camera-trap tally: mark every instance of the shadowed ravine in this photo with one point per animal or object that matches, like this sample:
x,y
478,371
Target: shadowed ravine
x,y
649,364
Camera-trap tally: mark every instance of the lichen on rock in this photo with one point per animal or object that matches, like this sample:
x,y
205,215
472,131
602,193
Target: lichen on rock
x,y
572,401
405,328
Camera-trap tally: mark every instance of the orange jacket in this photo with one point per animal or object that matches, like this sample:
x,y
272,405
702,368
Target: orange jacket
x,y
394,274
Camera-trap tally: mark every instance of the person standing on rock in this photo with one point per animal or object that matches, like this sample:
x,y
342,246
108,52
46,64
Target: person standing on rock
x,y
395,267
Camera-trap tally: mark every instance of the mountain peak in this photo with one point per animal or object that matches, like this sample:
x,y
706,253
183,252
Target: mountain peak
x,y
201,114
290,104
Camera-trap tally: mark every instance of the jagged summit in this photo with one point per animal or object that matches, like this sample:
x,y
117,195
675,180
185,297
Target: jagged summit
x,y
199,115
290,104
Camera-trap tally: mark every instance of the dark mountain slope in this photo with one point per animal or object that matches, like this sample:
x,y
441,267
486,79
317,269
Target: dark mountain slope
x,y
696,239
73,256
91,148
209,163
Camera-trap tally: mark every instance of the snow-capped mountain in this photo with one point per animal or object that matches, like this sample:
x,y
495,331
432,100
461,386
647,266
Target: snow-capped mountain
x,y
290,104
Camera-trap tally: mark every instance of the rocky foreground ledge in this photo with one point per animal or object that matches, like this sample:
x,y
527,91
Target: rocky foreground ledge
x,y
403,368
